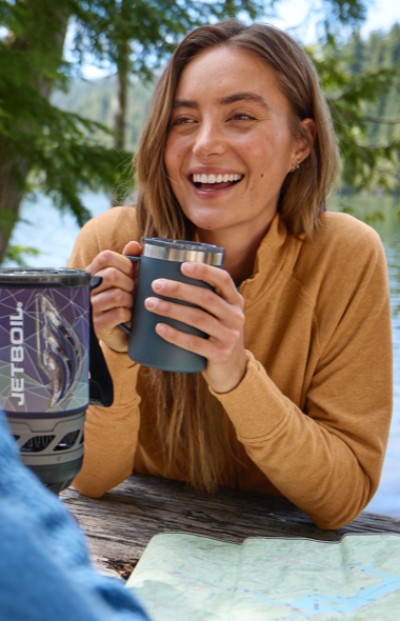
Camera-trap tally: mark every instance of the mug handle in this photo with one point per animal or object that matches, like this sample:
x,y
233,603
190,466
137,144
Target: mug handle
x,y
123,326
101,390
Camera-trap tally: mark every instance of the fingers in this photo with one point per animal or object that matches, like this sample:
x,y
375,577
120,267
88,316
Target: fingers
x,y
220,316
208,312
224,303
132,248
218,347
218,278
115,269
112,300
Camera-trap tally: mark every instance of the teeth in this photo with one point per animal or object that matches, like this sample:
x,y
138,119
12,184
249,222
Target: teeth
x,y
197,178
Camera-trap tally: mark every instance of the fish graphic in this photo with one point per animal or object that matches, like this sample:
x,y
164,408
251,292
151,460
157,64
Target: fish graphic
x,y
59,349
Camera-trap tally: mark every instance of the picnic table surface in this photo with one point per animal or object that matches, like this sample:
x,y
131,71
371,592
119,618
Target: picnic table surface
x,y
120,524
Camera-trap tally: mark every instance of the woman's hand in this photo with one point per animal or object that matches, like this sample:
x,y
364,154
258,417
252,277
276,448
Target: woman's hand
x,y
112,299
219,314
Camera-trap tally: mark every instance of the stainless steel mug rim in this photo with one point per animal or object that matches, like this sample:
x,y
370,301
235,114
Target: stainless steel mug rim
x,y
67,277
182,250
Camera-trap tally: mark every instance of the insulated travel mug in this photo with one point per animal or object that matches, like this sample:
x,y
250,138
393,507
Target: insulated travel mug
x,y
162,258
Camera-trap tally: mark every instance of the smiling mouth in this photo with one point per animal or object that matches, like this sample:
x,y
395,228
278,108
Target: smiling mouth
x,y
215,181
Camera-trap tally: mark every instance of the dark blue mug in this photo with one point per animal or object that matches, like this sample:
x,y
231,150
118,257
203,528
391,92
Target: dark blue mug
x,y
162,258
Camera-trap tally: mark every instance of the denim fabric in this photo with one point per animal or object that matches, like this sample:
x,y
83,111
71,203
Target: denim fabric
x,y
45,572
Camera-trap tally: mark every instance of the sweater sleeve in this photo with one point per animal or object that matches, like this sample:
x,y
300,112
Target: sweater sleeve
x,y
111,434
327,456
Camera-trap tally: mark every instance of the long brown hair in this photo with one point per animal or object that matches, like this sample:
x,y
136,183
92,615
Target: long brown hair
x,y
191,421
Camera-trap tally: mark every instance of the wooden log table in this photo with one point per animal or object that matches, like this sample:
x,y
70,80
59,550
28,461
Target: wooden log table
x,y
119,525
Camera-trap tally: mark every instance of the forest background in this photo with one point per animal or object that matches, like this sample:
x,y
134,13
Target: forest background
x,y
61,134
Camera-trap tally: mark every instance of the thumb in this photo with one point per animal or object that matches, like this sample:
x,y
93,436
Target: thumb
x,y
133,248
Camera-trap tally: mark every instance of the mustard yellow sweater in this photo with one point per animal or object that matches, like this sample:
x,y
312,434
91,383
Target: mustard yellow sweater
x,y
313,410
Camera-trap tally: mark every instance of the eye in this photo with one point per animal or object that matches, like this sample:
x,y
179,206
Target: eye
x,y
182,120
242,119
242,116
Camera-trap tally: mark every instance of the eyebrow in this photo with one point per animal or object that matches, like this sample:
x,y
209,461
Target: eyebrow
x,y
235,97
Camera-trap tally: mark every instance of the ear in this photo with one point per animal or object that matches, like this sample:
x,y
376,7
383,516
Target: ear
x,y
304,141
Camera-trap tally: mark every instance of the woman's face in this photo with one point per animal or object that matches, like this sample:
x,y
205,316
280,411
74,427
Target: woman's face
x,y
229,146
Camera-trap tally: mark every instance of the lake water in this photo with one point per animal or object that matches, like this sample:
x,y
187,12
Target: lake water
x,y
53,233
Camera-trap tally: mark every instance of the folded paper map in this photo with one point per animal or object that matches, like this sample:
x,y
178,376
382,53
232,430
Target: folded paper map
x,y
191,578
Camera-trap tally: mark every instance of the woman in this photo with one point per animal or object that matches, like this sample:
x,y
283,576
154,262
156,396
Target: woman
x,y
239,151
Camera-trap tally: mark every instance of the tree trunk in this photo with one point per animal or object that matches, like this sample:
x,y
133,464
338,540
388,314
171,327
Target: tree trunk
x,y
10,200
123,82
123,63
14,169
123,71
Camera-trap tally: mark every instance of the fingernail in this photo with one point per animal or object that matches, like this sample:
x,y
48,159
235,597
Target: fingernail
x,y
158,284
188,267
150,302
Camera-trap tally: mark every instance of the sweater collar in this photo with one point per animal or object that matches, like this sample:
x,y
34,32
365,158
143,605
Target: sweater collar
x,y
274,259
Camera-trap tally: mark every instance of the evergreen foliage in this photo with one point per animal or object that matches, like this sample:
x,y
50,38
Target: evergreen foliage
x,y
58,151
368,104
60,145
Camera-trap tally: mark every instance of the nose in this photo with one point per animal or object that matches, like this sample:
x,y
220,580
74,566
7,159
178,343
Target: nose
x,y
209,140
